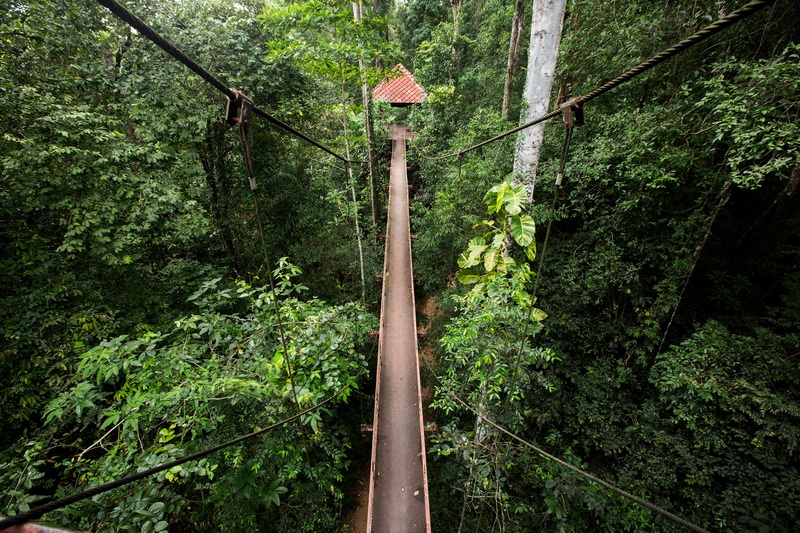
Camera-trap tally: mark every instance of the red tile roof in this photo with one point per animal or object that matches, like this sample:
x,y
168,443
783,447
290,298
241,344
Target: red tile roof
x,y
399,89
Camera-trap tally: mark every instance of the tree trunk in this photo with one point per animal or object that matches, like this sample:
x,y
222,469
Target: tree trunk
x,y
352,183
455,5
366,102
547,22
517,26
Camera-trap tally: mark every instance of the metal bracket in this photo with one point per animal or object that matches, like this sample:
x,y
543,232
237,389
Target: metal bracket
x,y
570,107
238,113
239,110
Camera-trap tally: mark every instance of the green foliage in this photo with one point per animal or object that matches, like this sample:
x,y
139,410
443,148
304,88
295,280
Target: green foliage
x,y
730,390
450,200
481,345
764,143
211,377
487,357
678,209
505,201
670,284
417,20
122,192
327,41
486,362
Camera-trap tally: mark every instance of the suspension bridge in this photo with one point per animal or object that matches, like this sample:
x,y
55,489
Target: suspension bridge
x,y
398,485
399,498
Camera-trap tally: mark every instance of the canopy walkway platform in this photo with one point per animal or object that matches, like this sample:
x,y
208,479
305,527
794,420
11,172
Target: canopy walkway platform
x,y
398,486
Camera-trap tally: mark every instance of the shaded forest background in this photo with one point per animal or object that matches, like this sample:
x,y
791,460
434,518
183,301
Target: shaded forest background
x,y
137,324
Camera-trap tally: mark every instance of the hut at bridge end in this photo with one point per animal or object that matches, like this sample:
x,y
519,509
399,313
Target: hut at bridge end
x,y
399,88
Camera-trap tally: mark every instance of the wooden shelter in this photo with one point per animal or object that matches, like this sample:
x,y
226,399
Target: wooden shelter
x,y
400,88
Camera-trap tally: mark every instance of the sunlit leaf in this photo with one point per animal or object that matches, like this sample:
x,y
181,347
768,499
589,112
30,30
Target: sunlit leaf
x,y
514,198
530,250
538,315
523,229
490,259
468,277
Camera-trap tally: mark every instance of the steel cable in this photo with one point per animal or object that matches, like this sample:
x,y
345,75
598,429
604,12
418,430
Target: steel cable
x,y
702,35
587,475
559,177
148,32
656,509
38,512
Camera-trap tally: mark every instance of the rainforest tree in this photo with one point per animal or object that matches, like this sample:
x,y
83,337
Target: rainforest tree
x,y
666,240
657,349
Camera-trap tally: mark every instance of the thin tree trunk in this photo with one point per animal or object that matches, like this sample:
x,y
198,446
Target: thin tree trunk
x,y
455,5
366,102
352,184
546,26
517,26
724,196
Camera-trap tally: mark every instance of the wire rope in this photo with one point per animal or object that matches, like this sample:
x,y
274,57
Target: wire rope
x,y
666,514
38,512
148,32
710,30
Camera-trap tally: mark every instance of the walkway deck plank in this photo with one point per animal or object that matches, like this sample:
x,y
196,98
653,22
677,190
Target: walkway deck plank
x,y
398,499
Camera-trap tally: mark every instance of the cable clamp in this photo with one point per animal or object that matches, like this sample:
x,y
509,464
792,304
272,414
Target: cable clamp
x,y
239,110
570,107
238,113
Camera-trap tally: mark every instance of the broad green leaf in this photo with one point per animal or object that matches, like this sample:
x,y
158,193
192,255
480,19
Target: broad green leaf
x,y
476,248
498,240
514,198
505,264
490,259
468,277
530,250
477,242
523,229
493,194
275,498
538,315
494,198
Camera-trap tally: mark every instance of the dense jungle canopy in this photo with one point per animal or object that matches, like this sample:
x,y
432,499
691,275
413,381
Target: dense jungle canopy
x,y
138,323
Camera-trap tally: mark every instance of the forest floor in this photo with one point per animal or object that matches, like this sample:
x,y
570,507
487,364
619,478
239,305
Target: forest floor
x,y
355,521
428,311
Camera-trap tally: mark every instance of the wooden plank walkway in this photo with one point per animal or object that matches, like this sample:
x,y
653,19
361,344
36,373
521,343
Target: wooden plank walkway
x,y
398,497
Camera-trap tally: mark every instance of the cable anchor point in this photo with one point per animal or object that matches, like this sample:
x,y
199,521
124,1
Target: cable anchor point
x,y
238,113
573,107
239,110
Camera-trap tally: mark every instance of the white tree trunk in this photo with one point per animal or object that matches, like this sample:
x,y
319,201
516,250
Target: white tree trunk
x,y
548,19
